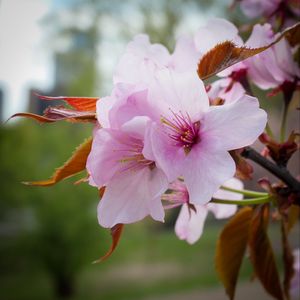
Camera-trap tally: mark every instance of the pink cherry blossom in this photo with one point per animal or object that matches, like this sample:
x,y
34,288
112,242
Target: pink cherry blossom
x,y
295,283
192,139
256,8
190,49
273,67
225,89
215,32
285,11
133,182
140,60
190,221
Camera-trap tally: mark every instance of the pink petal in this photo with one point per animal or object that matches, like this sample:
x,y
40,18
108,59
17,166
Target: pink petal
x,y
214,32
233,183
102,162
222,211
189,225
131,101
104,106
136,127
219,89
131,198
185,56
169,157
140,60
205,171
235,125
185,92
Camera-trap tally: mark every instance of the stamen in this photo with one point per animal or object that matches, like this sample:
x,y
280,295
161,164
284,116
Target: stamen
x,y
182,130
132,158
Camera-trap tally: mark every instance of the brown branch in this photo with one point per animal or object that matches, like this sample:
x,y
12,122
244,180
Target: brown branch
x,y
280,172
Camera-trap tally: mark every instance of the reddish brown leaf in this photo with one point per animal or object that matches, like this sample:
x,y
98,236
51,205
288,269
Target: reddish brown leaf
x,y
116,233
227,53
231,248
293,216
35,117
244,170
288,259
59,113
101,191
54,114
75,164
79,103
280,152
261,253
292,34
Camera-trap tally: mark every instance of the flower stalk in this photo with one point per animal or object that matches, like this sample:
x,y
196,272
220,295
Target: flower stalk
x,y
246,193
250,201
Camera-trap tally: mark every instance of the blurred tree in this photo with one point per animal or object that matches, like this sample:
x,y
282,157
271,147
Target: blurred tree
x,y
55,230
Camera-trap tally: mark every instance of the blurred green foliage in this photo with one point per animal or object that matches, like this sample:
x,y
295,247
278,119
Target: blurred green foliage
x,y
50,228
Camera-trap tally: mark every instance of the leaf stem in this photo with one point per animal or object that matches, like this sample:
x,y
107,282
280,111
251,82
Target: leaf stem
x,y
245,192
250,201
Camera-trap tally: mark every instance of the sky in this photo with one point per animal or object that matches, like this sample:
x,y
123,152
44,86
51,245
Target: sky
x,y
24,59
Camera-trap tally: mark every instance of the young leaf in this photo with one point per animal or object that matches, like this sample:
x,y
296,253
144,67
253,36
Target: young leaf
x,y
261,253
59,113
116,233
75,164
231,248
79,103
35,117
227,53
288,259
244,170
54,114
293,216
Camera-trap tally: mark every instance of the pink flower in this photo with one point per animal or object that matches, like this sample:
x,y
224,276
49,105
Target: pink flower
x,y
134,184
226,89
192,139
285,11
215,32
273,67
140,60
190,221
256,8
295,283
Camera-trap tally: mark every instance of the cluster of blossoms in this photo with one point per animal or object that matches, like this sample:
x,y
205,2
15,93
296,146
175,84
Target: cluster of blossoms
x,y
284,12
158,131
163,139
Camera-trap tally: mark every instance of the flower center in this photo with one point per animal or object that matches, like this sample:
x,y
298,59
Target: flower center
x,y
182,130
133,158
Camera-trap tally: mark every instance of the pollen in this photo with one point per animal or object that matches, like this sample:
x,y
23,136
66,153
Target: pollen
x,y
182,130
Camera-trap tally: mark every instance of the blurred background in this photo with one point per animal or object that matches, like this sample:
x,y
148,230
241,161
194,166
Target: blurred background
x,y
50,236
